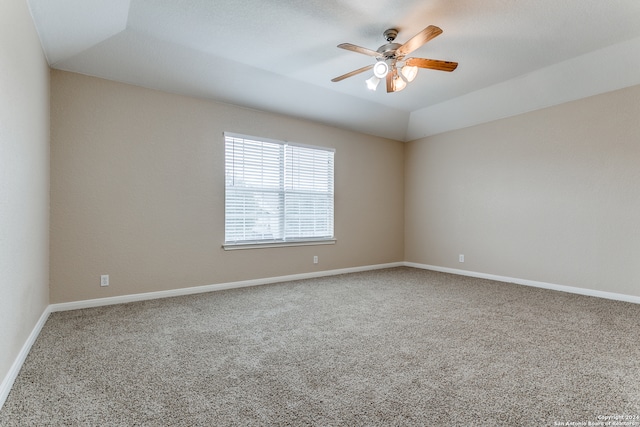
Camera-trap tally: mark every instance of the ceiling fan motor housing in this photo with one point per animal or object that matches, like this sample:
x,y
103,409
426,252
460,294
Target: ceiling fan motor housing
x,y
389,50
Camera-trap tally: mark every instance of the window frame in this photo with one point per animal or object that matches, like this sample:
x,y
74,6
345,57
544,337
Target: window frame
x,y
283,241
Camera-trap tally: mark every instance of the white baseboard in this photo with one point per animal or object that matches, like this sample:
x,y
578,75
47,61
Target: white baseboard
x,y
11,376
75,305
533,283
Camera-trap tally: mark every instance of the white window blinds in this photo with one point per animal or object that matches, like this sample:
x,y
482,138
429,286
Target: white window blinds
x,y
277,191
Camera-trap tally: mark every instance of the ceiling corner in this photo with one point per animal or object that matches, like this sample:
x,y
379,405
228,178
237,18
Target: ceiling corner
x,y
95,21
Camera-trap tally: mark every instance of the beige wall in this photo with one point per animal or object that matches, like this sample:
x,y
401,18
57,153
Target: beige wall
x,y
24,180
552,195
138,192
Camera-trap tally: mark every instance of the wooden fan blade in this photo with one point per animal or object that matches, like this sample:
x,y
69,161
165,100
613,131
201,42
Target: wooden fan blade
x,y
390,82
359,49
418,40
352,73
434,64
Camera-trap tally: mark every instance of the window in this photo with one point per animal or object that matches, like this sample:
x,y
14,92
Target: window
x,y
277,192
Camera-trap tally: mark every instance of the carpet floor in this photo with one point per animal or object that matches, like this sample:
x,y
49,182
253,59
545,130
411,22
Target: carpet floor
x,y
394,347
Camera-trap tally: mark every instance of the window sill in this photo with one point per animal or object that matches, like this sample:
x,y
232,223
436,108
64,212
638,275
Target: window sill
x,y
264,245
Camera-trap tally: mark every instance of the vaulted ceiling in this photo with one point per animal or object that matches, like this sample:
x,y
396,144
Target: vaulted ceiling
x,y
280,55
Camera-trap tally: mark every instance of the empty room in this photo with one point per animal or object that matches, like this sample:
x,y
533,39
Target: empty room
x,y
358,213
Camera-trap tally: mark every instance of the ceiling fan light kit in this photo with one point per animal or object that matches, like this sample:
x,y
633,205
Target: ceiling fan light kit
x,y
398,83
372,82
381,69
388,57
409,72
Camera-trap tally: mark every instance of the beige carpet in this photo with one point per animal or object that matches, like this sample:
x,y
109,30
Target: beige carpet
x,y
396,347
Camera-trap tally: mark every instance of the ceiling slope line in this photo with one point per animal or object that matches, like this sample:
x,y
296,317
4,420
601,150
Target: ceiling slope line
x,y
604,70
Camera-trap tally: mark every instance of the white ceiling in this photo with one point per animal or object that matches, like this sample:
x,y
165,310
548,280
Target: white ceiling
x,y
280,55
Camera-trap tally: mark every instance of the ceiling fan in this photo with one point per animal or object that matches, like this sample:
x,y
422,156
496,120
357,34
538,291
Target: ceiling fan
x,y
391,63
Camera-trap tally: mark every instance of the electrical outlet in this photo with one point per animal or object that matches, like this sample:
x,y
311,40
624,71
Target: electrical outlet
x,y
461,258
315,259
104,280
